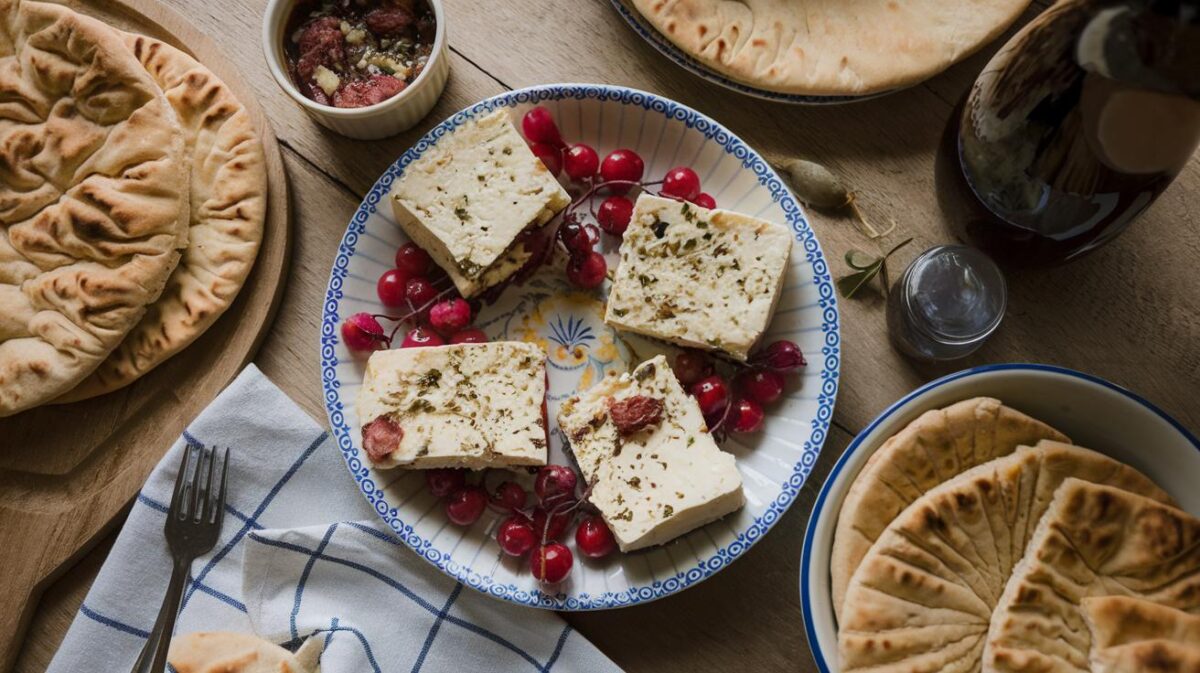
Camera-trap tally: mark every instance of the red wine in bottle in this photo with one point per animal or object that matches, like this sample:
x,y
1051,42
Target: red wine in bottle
x,y
1078,124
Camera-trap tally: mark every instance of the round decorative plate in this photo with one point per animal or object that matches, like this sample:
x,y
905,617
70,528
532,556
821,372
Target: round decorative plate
x,y
568,323
686,61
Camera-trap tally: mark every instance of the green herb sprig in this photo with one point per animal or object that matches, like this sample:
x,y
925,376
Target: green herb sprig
x,y
866,268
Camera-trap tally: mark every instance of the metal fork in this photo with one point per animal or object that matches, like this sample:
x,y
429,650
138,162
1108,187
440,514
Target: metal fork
x,y
193,525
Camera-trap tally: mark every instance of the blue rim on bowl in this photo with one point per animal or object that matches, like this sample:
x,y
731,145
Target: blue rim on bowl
x,y
828,372
676,55
806,558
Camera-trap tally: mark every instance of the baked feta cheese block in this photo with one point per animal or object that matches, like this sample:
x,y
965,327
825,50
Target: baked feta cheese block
x,y
701,278
468,199
464,405
643,447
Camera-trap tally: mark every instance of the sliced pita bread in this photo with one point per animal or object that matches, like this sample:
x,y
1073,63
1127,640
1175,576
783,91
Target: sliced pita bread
x,y
923,597
227,652
1119,620
1132,635
1093,541
937,446
1147,656
93,198
228,207
830,46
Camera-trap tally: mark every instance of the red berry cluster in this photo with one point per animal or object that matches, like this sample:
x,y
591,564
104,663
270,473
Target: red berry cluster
x,y
619,172
538,531
435,314
534,530
756,384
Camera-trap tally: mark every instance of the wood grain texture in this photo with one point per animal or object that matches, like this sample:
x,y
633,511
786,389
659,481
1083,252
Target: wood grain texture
x,y
1130,312
70,471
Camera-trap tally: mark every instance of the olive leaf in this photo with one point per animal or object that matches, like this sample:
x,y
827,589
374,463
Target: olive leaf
x,y
817,186
866,267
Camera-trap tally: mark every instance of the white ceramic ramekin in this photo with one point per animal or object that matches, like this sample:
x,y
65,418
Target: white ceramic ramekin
x,y
1091,411
398,113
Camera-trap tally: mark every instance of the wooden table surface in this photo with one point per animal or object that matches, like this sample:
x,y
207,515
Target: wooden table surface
x,y
1129,313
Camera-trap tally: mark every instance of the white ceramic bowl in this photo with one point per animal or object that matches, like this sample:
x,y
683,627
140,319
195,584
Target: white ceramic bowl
x,y
1093,412
398,113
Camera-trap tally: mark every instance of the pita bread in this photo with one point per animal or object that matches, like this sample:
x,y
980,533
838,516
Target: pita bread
x,y
1131,635
226,652
93,198
1093,541
830,46
228,206
923,597
1147,656
937,446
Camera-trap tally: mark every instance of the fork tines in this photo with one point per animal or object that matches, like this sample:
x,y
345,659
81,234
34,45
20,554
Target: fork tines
x,y
199,496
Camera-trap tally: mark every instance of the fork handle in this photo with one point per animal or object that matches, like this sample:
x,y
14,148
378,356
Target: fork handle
x,y
154,655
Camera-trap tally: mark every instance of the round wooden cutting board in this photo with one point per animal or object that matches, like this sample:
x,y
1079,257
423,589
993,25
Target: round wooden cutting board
x,y
67,472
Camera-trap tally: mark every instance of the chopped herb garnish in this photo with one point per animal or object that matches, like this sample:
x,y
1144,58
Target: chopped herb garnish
x,y
430,378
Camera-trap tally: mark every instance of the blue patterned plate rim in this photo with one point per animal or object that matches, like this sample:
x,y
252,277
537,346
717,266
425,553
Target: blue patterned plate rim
x,y
807,550
675,54
830,352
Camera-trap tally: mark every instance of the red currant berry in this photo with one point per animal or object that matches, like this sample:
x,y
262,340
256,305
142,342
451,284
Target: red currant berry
x,y
682,183
465,505
553,482
362,332
593,234
443,481
580,162
782,356
539,127
550,563
391,287
587,271
747,416
450,316
412,260
705,200
622,165
419,337
593,537
761,385
469,336
691,366
712,394
550,155
419,291
515,536
549,527
508,496
614,214
575,237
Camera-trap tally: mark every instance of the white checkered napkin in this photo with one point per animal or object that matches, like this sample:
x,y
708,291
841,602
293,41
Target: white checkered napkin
x,y
300,554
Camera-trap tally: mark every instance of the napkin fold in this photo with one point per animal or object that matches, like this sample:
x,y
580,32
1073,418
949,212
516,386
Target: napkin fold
x,y
301,554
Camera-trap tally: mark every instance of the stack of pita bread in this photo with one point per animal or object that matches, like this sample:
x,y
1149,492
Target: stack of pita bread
x,y
829,47
132,200
978,538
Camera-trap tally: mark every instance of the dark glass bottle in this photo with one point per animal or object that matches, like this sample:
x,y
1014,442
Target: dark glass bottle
x,y
1078,124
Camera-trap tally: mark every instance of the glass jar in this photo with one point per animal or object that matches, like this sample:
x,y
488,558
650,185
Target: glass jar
x,y
946,303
